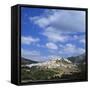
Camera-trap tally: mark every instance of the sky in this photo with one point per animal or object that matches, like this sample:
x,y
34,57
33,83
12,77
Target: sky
x,y
51,33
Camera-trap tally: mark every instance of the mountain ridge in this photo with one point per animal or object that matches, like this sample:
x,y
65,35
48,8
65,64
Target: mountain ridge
x,y
77,59
27,61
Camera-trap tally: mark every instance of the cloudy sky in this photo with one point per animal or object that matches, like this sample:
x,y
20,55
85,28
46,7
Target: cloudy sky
x,y
48,33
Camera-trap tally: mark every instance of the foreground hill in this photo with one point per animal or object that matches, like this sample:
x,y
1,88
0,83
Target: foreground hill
x,y
56,69
80,61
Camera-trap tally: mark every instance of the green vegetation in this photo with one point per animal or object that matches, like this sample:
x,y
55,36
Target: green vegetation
x,y
35,73
38,74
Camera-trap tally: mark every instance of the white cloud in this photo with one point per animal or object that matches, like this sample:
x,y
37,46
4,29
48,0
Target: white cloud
x,y
79,38
52,46
61,46
39,45
29,52
67,21
56,24
82,41
42,22
28,40
71,50
60,27
53,56
76,37
54,35
32,55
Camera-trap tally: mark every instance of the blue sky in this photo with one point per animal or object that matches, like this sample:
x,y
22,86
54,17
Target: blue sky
x,y
49,33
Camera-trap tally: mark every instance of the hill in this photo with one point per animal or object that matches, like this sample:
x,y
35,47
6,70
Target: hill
x,y
56,69
27,61
77,59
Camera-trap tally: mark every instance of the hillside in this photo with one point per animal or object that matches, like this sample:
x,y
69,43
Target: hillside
x,y
59,68
77,59
81,64
27,61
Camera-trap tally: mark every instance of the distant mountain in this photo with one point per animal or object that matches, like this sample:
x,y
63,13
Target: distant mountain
x,y
27,61
77,59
